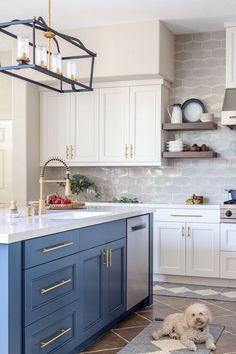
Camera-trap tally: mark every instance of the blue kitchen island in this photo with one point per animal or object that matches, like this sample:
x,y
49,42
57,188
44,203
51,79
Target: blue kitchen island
x,y
66,278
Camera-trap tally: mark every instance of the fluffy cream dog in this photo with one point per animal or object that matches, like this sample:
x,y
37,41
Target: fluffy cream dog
x,y
190,327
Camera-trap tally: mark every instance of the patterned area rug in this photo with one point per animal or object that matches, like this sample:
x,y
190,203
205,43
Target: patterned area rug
x,y
143,344
194,291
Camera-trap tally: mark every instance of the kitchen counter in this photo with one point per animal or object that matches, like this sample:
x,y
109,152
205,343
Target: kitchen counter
x,y
24,228
156,206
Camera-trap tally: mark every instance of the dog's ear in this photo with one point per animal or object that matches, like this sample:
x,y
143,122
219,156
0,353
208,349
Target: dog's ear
x,y
185,319
209,314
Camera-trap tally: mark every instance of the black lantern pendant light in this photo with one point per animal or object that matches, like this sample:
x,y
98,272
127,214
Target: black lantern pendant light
x,y
45,61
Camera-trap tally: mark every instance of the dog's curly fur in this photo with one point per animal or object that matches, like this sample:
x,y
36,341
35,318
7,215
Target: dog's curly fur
x,y
190,327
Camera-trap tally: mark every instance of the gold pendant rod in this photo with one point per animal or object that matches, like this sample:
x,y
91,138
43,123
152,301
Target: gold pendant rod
x,y
49,39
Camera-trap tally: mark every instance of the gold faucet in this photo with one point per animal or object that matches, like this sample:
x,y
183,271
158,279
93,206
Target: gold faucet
x,y
42,181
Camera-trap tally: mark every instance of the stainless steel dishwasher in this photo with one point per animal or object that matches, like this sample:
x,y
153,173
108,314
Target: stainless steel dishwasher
x,y
137,259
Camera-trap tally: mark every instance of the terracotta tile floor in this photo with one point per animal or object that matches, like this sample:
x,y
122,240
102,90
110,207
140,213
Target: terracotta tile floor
x,y
224,313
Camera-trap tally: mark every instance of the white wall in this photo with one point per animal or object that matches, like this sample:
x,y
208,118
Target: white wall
x,y
25,141
131,49
5,87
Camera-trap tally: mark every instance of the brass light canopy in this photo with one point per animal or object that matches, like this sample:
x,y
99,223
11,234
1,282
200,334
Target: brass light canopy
x,y
52,63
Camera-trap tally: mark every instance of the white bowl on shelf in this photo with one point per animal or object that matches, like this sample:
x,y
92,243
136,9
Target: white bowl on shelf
x,y
207,117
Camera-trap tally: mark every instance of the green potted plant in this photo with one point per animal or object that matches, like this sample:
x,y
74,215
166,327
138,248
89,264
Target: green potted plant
x,y
81,183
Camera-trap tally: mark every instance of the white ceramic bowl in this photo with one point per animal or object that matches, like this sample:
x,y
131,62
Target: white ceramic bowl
x,y
207,117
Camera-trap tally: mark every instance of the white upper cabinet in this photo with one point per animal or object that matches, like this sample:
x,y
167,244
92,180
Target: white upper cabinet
x,y
85,133
145,123
114,124
54,125
119,125
231,57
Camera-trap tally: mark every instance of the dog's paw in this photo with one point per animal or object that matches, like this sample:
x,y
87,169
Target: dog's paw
x,y
192,347
174,336
156,336
210,346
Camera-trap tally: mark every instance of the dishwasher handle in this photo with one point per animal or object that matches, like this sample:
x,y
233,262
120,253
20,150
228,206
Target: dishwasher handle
x,y
138,227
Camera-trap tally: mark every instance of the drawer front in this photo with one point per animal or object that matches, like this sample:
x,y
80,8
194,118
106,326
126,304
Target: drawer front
x,y
228,237
48,248
187,215
97,235
50,286
58,333
228,265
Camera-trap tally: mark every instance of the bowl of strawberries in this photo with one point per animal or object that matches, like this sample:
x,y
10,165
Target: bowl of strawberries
x,y
56,202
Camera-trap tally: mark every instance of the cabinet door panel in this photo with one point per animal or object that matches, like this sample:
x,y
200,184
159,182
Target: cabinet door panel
x,y
169,248
54,124
202,250
92,269
145,123
50,286
228,265
228,237
57,333
114,123
231,57
85,138
115,280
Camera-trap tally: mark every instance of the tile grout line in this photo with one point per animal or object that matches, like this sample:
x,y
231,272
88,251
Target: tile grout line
x,y
223,308
100,350
147,319
131,327
118,335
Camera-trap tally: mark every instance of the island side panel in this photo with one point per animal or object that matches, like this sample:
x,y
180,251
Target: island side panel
x,y
150,297
11,298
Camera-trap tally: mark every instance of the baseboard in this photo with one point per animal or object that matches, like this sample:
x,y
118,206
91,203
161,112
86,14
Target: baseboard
x,y
195,280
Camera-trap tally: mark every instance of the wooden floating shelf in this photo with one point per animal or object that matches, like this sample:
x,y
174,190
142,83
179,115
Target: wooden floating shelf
x,y
189,154
190,126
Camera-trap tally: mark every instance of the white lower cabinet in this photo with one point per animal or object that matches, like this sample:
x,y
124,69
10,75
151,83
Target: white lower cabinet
x,y
202,250
169,248
228,251
182,248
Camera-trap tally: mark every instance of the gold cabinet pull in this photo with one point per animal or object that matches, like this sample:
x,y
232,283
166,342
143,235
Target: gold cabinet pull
x,y
106,258
72,150
61,333
126,151
189,231
67,152
131,151
110,257
183,231
58,285
57,247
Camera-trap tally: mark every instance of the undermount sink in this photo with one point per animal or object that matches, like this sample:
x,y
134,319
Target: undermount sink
x,y
77,215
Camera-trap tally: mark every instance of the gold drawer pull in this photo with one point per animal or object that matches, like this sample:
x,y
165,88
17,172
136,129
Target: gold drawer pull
x,y
54,248
105,254
110,257
62,332
67,152
58,285
126,151
131,151
186,216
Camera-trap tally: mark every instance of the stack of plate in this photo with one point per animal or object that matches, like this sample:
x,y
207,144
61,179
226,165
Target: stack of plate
x,y
175,145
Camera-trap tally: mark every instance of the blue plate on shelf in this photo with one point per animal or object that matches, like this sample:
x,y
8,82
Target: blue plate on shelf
x,y
192,110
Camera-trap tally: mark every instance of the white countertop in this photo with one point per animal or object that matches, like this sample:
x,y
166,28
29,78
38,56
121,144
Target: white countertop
x,y
24,228
161,206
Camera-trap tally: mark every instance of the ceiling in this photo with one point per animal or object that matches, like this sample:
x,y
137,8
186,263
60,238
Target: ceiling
x,y
181,16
